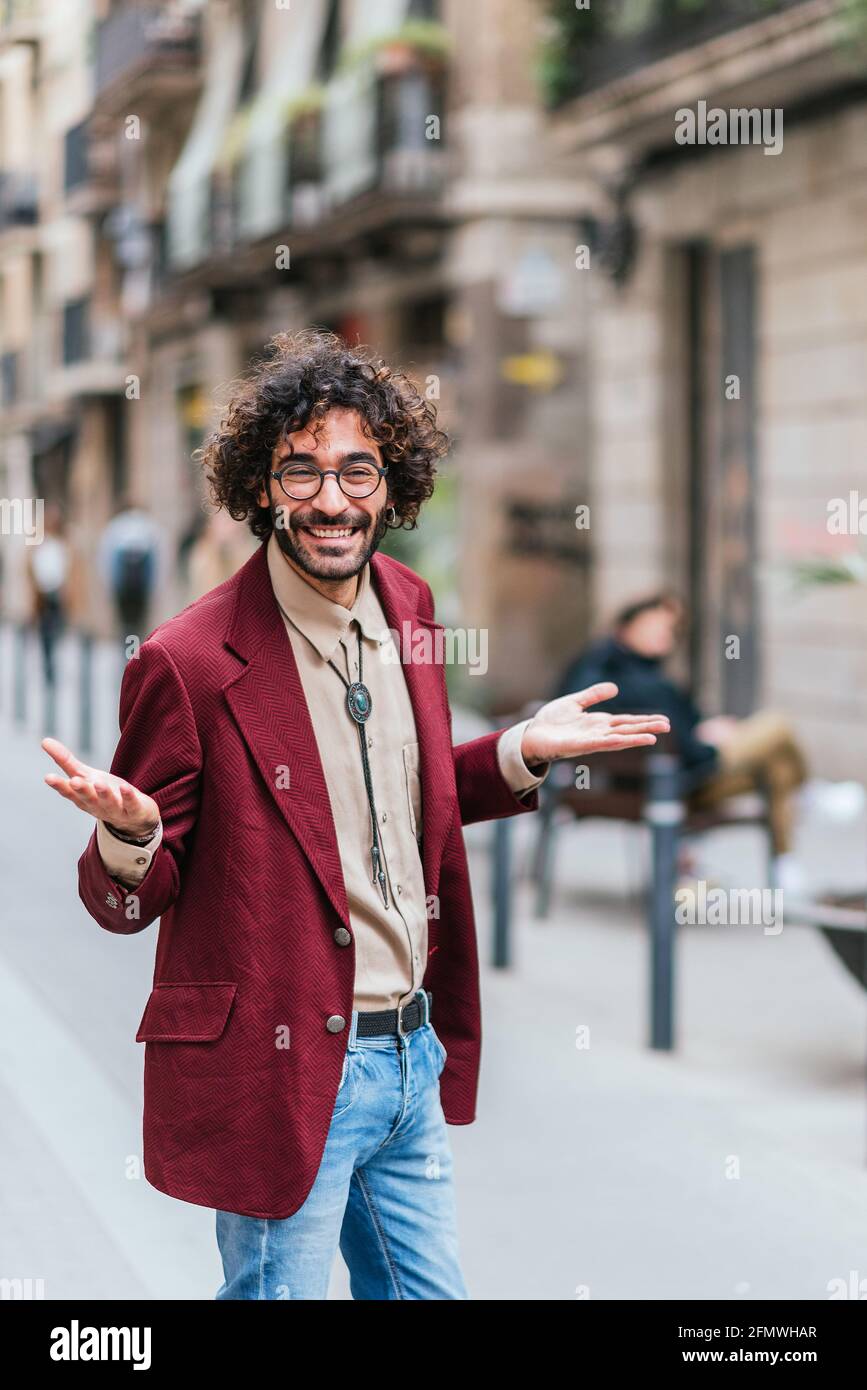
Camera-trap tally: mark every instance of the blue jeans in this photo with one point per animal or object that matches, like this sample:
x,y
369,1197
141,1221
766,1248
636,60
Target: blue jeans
x,y
384,1190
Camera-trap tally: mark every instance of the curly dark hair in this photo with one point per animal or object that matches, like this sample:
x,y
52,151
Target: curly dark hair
x,y
298,379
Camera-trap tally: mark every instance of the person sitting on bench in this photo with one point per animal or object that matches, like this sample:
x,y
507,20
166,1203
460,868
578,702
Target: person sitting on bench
x,y
722,756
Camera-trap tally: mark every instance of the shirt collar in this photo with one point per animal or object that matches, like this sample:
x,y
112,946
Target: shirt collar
x,y
322,622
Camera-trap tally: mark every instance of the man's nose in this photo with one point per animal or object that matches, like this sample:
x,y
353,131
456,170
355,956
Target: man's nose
x,y
331,499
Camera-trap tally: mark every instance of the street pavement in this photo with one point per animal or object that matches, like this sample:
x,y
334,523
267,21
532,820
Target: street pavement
x,y
734,1167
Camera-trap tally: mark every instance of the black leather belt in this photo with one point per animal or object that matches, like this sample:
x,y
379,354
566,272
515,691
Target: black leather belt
x,y
404,1019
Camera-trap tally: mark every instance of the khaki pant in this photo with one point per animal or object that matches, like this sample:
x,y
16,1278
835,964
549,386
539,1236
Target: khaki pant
x,y
761,753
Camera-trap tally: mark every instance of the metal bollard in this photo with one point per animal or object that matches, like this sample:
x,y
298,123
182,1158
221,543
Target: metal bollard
x,y
502,892
663,812
85,692
19,705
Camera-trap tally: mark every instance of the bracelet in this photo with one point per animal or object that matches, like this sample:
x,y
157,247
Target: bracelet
x,y
140,840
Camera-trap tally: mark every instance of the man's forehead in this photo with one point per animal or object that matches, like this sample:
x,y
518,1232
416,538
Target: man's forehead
x,y
339,429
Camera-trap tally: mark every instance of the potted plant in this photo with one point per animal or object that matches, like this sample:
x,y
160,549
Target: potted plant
x,y
418,43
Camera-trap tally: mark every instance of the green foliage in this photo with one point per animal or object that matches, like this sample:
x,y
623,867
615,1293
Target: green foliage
x,y
566,56
854,13
312,98
849,569
426,36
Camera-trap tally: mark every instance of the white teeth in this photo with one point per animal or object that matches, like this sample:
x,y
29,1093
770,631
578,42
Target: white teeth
x,y
325,534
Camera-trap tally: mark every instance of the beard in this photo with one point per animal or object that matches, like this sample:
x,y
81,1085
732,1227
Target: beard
x,y
319,560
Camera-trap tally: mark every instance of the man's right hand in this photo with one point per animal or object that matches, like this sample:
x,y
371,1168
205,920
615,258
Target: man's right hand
x,y
101,794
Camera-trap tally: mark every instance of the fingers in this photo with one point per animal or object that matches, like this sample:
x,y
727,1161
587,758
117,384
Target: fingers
x,y
76,790
613,742
647,726
604,690
660,721
65,758
108,799
607,743
61,785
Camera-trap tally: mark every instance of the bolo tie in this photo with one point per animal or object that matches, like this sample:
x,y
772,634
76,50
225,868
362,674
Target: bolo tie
x,y
359,704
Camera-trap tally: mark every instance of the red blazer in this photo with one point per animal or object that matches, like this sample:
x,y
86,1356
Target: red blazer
x,y
248,885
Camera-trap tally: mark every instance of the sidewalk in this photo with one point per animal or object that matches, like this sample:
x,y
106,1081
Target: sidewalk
x,y
603,1168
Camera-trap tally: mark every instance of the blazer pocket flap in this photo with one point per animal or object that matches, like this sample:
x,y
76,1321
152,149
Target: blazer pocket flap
x,y
186,1012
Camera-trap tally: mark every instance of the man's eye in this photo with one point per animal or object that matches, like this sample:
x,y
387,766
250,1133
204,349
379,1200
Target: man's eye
x,y
358,473
300,474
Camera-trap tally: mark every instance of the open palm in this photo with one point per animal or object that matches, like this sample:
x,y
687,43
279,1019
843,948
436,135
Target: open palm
x,y
101,794
564,729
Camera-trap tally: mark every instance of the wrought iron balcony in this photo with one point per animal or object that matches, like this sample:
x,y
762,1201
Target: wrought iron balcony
x,y
10,378
76,331
375,132
147,46
19,204
594,46
88,352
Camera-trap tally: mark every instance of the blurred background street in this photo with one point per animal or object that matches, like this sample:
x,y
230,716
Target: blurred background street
x,y
651,358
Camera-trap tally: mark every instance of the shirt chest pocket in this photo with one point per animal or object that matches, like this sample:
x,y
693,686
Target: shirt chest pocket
x,y
412,780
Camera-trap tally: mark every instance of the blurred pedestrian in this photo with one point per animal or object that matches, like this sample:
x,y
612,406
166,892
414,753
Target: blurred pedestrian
x,y
724,756
49,567
130,555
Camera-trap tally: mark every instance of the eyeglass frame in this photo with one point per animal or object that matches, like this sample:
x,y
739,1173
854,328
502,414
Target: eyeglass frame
x,y
381,469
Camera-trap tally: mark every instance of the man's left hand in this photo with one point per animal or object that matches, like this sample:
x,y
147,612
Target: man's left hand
x,y
564,729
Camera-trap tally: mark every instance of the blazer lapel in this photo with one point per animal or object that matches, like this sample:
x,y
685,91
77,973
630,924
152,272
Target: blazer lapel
x,y
267,700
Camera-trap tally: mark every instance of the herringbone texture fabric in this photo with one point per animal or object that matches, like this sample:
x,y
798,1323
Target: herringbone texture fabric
x,y
241,1073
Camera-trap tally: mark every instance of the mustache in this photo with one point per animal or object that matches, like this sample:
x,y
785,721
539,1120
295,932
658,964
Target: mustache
x,y
297,521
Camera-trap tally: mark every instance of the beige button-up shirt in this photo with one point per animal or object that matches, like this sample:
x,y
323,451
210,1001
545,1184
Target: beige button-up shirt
x,y
391,941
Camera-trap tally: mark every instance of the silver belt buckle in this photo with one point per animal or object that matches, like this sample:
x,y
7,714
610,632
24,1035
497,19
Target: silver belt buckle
x,y
400,1009
401,1032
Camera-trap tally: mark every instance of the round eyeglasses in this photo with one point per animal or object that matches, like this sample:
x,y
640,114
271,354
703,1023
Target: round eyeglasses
x,y
301,481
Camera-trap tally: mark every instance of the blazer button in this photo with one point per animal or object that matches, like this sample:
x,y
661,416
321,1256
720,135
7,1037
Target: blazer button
x,y
342,936
336,1023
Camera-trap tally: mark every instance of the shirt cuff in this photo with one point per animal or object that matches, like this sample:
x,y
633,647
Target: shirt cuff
x,y
126,863
515,771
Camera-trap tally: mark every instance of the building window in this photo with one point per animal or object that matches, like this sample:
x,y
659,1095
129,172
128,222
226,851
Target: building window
x,y
330,47
76,331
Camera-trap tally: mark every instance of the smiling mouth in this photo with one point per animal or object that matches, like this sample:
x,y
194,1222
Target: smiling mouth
x,y
330,533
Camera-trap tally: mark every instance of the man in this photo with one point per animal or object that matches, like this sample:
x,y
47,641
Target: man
x,y
723,756
285,796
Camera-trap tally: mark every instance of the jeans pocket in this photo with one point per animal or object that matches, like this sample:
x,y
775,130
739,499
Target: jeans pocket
x,y
443,1055
346,1089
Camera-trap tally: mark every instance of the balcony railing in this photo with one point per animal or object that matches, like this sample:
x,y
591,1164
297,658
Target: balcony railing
x,y
19,203
10,378
375,133
76,332
139,37
596,46
75,157
407,158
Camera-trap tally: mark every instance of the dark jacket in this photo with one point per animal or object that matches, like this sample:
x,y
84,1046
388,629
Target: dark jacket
x,y
644,689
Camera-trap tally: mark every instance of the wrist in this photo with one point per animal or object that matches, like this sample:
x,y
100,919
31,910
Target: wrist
x,y
140,837
529,750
